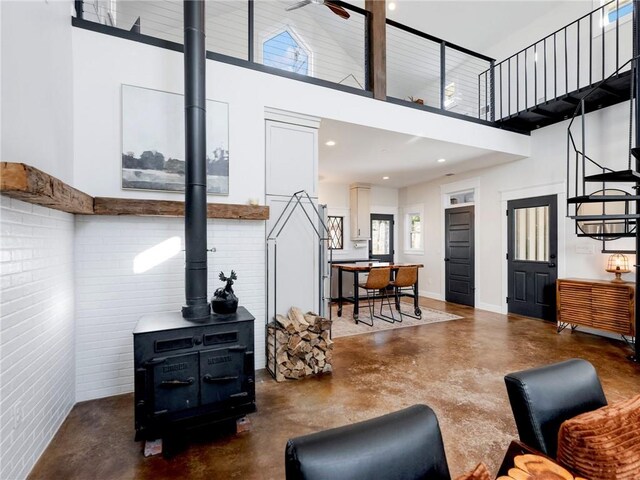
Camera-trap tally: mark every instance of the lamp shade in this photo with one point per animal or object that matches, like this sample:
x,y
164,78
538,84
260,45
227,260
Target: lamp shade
x,y
618,264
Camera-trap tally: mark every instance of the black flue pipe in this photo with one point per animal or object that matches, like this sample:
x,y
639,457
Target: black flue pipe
x,y
195,207
635,71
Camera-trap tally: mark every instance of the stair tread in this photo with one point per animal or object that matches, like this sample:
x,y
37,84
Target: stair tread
x,y
607,235
619,176
603,198
610,216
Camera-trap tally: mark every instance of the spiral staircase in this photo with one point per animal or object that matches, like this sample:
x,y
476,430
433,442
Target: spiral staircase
x,y
604,201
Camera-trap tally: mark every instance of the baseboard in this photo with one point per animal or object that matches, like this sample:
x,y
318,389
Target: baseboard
x,y
489,307
432,295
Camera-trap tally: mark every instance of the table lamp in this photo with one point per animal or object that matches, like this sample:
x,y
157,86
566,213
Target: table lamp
x,y
618,264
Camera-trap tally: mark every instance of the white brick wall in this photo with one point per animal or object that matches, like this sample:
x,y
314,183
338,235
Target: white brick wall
x,y
37,359
111,297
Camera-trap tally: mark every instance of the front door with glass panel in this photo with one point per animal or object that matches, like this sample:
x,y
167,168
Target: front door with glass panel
x,y
532,256
381,244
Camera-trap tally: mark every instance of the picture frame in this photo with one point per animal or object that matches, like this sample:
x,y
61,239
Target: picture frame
x,y
153,142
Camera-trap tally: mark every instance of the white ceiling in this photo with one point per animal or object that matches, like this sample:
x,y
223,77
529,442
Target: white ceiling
x,y
364,154
495,28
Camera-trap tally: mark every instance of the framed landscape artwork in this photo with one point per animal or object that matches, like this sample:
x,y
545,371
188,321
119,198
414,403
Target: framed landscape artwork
x,y
153,145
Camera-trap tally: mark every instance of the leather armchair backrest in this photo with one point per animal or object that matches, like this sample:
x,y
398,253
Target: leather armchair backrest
x,y
542,398
405,445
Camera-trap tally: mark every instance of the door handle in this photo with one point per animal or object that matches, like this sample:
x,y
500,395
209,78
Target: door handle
x,y
177,383
446,259
209,379
552,265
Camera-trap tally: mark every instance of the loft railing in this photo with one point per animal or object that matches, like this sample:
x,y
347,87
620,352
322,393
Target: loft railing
x,y
310,43
570,59
426,70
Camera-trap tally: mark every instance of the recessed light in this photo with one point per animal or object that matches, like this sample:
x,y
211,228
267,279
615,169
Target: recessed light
x,y
330,143
442,160
392,6
385,178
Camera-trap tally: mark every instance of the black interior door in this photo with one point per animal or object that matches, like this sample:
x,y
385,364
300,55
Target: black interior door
x,y
381,243
532,256
459,256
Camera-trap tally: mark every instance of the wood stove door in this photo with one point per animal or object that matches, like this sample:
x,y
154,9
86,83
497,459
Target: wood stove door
x,y
175,383
222,374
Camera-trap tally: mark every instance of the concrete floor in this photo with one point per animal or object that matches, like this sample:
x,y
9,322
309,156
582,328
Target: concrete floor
x,y
455,367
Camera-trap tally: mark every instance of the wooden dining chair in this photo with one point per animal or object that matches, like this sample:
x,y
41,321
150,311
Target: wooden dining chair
x,y
378,280
406,277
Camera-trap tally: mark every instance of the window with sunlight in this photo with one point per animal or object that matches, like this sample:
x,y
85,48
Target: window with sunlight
x,y
414,231
283,51
617,11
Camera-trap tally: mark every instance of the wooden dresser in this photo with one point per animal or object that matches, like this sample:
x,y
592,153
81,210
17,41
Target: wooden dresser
x,y
599,304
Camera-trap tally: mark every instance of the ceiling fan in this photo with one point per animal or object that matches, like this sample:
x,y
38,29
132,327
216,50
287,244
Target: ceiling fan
x,y
337,9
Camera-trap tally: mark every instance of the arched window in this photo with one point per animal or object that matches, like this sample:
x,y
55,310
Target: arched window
x,y
285,52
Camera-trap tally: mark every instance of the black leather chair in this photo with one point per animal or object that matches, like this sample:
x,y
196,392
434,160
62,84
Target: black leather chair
x,y
404,445
542,398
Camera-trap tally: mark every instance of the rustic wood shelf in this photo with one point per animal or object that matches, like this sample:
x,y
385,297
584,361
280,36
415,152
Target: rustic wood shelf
x,y
171,208
31,185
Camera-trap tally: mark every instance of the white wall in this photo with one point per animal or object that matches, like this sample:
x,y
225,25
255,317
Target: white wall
x,y
544,170
37,85
97,113
336,197
559,15
111,296
37,357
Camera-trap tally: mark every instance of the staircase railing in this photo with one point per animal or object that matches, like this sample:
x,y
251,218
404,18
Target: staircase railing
x,y
572,58
609,216
581,158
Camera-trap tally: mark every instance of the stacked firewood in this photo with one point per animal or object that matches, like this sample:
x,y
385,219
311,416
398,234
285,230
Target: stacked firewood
x,y
301,343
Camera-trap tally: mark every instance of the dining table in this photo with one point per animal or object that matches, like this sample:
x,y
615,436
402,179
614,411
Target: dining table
x,y
361,268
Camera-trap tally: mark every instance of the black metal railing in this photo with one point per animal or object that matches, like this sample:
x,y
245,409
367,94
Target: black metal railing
x,y
310,43
431,72
582,164
314,45
572,58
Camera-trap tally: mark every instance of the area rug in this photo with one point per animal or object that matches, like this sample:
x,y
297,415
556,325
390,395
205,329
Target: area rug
x,y
345,326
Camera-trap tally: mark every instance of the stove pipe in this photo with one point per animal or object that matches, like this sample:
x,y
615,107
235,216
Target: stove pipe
x,y
195,207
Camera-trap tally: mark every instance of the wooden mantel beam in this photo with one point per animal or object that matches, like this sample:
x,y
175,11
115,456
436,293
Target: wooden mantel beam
x,y
377,45
31,185
171,208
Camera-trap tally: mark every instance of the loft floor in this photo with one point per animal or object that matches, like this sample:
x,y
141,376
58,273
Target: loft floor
x,y
456,367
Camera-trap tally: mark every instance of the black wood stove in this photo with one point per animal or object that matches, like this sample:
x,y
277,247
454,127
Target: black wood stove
x,y
190,373
194,368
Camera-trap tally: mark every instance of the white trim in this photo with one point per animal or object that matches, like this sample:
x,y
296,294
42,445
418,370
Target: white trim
x,y
445,190
490,307
558,189
293,118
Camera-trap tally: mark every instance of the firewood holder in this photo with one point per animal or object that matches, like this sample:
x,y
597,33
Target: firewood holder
x,y
325,258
